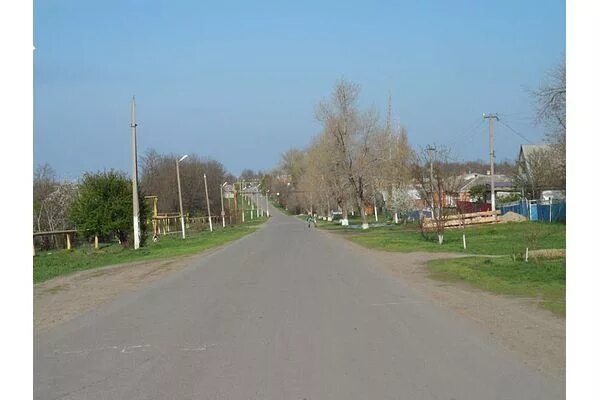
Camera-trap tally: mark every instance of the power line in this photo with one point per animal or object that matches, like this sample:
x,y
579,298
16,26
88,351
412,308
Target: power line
x,y
515,132
466,133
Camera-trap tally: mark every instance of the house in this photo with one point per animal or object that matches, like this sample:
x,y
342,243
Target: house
x,y
534,162
503,185
526,151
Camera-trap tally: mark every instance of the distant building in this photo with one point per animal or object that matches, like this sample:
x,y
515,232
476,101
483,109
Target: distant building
x,y
503,185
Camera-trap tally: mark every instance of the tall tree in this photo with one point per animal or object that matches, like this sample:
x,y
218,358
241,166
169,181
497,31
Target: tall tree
x,y
352,132
551,102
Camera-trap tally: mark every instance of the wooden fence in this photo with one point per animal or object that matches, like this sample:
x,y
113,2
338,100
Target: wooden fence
x,y
69,234
460,220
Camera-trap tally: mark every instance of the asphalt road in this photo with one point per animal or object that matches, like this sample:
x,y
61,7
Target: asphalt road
x,y
284,313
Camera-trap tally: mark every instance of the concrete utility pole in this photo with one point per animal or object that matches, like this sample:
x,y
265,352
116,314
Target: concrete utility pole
x,y
222,207
267,202
179,190
491,118
134,179
243,200
207,204
430,150
252,206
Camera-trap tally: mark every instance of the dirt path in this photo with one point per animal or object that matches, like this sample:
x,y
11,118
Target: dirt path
x,y
63,298
516,323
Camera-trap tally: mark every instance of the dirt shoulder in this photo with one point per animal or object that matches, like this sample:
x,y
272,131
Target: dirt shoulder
x,y
63,298
518,324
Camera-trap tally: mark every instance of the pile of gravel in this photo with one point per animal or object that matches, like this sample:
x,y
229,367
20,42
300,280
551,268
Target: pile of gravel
x,y
512,217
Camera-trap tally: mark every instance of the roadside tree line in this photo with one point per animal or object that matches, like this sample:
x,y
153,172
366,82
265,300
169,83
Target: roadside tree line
x,y
99,204
356,162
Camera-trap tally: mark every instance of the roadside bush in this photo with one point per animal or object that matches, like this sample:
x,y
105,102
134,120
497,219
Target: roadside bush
x,y
104,207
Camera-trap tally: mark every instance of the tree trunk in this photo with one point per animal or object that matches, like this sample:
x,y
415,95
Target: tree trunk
x,y
363,217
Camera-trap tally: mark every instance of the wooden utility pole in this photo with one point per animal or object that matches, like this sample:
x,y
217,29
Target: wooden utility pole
x,y
491,118
134,178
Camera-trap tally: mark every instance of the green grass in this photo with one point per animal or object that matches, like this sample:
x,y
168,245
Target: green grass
x,y
539,278
542,278
47,265
498,239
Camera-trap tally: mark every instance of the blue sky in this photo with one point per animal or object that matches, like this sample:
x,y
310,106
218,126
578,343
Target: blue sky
x,y
239,81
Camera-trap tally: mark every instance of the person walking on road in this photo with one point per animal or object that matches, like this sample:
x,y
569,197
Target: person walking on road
x,y
308,221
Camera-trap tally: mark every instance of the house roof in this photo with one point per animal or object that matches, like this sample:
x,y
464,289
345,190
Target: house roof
x,y
528,149
500,181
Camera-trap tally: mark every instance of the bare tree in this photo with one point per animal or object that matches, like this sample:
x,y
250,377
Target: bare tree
x,y
51,204
437,185
551,102
159,178
539,170
352,132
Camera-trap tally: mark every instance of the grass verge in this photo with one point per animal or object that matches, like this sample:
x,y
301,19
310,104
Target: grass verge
x,y
543,279
47,265
498,239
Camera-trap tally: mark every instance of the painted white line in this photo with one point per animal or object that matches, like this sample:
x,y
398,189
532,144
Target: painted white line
x,y
397,303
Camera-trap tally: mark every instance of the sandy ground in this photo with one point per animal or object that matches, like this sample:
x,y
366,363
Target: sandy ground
x,y
517,324
63,298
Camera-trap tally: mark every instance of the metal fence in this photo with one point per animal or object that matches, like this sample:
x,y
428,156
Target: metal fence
x,y
548,211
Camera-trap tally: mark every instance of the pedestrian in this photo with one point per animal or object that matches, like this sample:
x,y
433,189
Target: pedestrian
x,y
308,221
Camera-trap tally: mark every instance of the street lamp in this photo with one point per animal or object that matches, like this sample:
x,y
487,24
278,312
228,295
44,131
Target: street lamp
x,y
222,208
179,189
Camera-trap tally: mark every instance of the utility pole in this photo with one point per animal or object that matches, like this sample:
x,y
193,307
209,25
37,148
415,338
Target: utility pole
x,y
430,150
134,178
267,202
388,122
222,207
179,190
235,202
207,204
252,207
491,118
242,199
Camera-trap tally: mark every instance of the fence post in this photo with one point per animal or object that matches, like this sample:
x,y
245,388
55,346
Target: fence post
x,y
550,209
68,241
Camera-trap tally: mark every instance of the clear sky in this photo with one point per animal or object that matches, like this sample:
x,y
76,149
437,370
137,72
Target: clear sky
x,y
239,81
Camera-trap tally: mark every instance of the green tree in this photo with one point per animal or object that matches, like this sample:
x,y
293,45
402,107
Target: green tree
x,y
104,206
478,192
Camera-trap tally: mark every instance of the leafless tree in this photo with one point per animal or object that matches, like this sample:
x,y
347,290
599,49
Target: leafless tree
x,y
551,102
352,132
158,177
437,185
538,171
51,203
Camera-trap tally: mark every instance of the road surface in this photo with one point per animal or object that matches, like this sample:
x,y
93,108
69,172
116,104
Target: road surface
x,y
284,313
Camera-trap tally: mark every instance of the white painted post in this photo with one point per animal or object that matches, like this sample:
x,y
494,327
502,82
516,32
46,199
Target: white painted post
x,y
464,242
375,208
527,254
